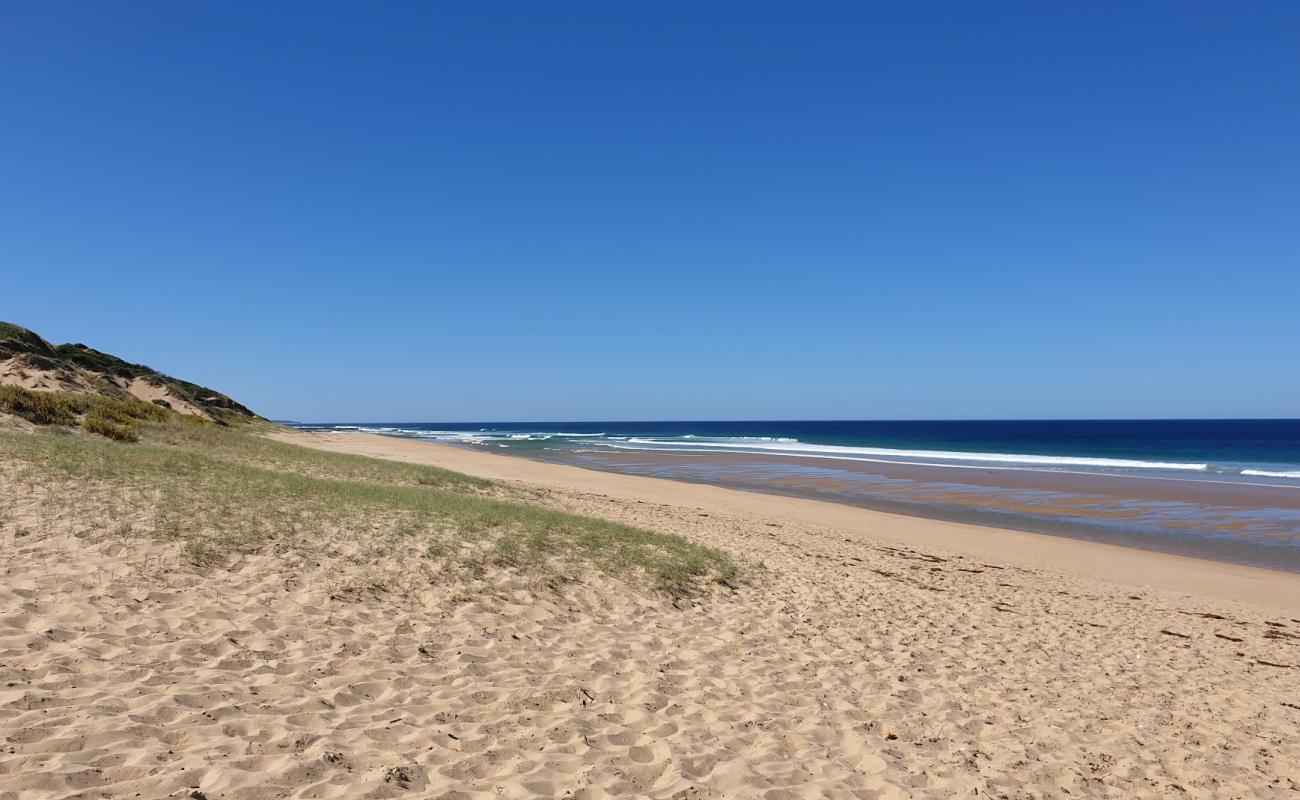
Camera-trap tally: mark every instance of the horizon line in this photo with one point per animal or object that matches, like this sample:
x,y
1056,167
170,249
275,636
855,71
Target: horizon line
x,y
777,420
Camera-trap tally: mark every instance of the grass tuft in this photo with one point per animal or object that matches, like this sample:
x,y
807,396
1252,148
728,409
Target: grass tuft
x,y
98,421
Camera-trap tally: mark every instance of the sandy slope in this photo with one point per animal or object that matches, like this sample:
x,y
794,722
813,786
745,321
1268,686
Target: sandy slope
x,y
149,391
865,659
18,372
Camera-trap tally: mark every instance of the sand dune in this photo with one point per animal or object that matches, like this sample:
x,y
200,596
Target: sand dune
x,y
152,391
862,659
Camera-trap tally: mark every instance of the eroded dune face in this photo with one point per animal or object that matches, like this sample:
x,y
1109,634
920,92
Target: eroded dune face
x,y
849,664
18,371
29,361
21,371
152,392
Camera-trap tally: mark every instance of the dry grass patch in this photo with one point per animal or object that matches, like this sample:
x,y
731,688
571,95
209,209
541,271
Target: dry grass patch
x,y
220,493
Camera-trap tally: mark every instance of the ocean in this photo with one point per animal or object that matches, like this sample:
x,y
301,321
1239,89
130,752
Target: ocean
x,y
1222,489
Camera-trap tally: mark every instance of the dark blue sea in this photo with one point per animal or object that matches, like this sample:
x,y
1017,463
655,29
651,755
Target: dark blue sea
x,y
1213,449
1222,489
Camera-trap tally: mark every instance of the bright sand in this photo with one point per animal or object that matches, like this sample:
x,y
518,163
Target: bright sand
x,y
870,655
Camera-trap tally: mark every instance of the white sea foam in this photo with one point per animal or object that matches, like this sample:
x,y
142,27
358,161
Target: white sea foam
x,y
1264,473
481,436
795,448
694,438
786,446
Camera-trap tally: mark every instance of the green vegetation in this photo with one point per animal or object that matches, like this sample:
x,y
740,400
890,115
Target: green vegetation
x,y
16,340
19,335
105,425
95,361
115,417
216,404
41,408
220,493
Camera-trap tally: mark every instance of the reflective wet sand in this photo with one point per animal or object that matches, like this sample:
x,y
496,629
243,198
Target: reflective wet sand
x,y
1236,522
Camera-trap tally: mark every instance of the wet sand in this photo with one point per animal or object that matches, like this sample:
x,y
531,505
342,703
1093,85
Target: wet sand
x,y
1148,569
1228,493
1236,522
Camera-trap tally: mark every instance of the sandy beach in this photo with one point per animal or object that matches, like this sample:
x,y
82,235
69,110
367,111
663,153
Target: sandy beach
x,y
863,655
468,401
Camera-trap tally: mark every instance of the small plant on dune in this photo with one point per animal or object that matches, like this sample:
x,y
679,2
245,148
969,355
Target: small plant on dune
x,y
127,409
105,424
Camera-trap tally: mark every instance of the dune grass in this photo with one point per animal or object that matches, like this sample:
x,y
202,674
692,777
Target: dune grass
x,y
115,417
220,493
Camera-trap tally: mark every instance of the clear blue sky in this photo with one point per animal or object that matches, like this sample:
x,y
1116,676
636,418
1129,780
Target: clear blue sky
x,y
557,211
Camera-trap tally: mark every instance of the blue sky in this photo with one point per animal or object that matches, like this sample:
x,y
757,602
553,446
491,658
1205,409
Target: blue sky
x,y
558,211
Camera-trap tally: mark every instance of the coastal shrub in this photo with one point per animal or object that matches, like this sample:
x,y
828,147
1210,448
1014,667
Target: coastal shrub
x,y
41,408
95,361
115,417
17,340
114,427
8,330
127,409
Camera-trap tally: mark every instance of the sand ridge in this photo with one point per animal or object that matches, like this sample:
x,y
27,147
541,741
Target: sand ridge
x,y
849,665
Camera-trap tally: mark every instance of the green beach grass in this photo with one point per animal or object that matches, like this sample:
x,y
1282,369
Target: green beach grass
x,y
221,492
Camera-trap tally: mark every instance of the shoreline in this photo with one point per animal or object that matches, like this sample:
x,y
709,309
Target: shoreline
x,y
1153,487
1082,506
1146,569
